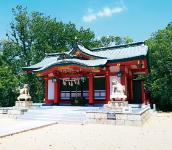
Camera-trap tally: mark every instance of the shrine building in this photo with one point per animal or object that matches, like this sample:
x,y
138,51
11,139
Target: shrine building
x,y
87,74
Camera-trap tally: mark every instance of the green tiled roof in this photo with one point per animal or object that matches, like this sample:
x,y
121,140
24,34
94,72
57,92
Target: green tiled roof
x,y
122,52
102,56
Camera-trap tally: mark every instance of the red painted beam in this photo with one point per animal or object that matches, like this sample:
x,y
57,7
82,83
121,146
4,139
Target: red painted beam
x,y
127,63
75,70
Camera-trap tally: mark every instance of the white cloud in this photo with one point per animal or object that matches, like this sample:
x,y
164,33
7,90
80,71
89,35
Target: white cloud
x,y
109,11
105,12
90,17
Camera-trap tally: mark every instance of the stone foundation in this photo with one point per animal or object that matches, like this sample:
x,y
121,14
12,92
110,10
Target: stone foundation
x,y
129,119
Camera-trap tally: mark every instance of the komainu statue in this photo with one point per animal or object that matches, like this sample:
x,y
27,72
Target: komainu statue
x,y
24,94
118,91
118,98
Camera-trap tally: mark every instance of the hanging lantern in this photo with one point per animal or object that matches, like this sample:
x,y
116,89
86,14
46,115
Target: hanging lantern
x,y
64,82
83,79
139,64
119,74
54,79
78,82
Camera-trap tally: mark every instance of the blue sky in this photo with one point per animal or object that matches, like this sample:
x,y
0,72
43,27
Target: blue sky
x,y
135,18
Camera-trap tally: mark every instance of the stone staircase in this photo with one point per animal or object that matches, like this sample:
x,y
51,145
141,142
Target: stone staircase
x,y
59,115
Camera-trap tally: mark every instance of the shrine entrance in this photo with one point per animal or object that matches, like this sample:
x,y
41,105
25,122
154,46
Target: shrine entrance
x,y
71,89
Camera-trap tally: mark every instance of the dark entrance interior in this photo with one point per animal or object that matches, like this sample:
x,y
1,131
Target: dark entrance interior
x,y
68,92
137,95
99,88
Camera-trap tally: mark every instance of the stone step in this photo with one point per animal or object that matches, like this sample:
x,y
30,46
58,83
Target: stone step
x,y
55,115
50,119
49,116
60,119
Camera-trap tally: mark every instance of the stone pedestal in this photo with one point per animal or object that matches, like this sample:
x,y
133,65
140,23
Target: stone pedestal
x,y
118,106
119,103
23,104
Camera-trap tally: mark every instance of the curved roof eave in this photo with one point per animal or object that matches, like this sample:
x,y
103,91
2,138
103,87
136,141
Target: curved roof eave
x,y
70,62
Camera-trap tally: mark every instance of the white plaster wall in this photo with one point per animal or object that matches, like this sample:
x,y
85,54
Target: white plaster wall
x,y
50,90
111,79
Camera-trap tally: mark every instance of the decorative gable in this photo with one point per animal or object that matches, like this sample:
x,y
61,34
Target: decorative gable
x,y
79,54
82,53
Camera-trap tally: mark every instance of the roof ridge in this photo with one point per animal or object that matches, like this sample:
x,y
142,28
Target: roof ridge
x,y
51,54
118,46
55,54
84,50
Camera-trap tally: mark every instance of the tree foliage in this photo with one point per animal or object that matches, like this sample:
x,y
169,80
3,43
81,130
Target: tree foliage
x,y
114,40
8,84
160,58
31,36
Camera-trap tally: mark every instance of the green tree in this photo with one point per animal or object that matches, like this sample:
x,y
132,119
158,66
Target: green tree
x,y
114,40
31,36
160,58
8,84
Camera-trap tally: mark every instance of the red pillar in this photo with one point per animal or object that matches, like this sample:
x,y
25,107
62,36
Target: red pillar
x,y
124,80
131,88
91,89
122,69
143,91
107,85
123,77
57,92
46,90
